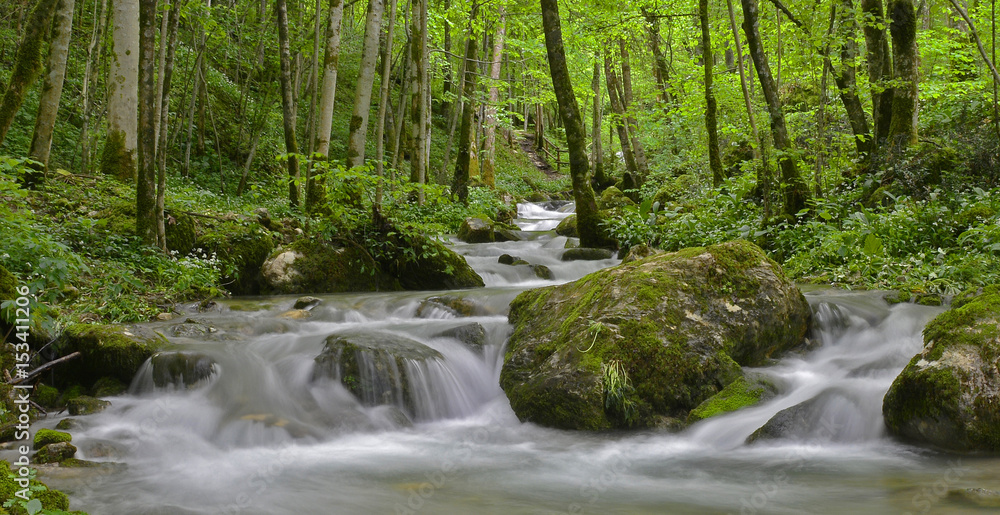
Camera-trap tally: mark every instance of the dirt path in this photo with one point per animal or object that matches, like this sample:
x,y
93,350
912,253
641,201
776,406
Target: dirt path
x,y
527,143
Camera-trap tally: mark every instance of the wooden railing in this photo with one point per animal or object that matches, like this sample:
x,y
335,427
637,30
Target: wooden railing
x,y
553,153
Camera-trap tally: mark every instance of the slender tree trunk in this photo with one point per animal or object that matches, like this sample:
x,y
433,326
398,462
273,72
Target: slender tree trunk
x,y
145,196
48,104
311,126
418,104
879,68
196,73
743,82
460,184
796,192
490,152
90,77
905,102
638,149
164,126
383,105
618,122
714,161
979,44
288,103
28,63
162,60
456,114
448,79
331,62
660,70
600,180
846,81
119,156
587,219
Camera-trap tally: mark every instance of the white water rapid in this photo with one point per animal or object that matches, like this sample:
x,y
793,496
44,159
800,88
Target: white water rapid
x,y
260,431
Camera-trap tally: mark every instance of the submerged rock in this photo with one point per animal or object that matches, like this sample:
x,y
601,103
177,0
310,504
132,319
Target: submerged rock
x,y
472,335
184,369
542,272
642,344
586,254
567,227
948,396
374,366
306,303
744,392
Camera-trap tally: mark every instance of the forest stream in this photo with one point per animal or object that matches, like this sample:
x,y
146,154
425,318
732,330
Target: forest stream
x,y
263,433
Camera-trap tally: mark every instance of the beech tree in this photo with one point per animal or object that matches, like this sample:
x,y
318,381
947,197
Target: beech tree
x,y
48,104
27,65
119,159
366,79
145,197
287,102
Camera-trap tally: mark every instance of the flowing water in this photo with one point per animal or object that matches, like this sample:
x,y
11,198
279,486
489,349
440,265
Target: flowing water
x,y
260,430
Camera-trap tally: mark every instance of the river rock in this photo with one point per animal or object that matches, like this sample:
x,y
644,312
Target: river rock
x,y
308,266
507,259
809,420
106,351
373,365
240,247
639,252
948,395
613,198
436,267
501,234
542,272
567,227
750,390
55,452
472,335
45,437
191,328
448,305
677,326
181,368
586,254
476,230
84,405
306,303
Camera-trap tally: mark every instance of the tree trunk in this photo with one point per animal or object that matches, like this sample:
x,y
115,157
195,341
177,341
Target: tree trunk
x,y
119,157
164,126
28,63
979,44
161,56
145,194
846,81
456,114
418,114
714,161
796,192
587,219
48,104
90,77
743,82
383,104
616,106
324,124
905,102
660,70
879,68
599,179
460,184
638,149
288,103
488,166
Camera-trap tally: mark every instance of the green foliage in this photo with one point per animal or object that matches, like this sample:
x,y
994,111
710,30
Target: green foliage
x,y
618,391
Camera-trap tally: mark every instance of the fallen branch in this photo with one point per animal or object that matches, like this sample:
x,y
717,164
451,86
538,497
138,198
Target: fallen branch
x,y
34,373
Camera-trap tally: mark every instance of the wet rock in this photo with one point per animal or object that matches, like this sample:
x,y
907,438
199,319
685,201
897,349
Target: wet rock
x,y
746,391
978,497
106,351
103,449
68,423
542,272
586,254
639,252
794,423
507,259
947,396
567,227
459,306
164,317
537,196
192,328
84,405
472,335
306,303
185,369
45,437
241,247
501,234
897,296
436,267
308,266
476,230
676,328
374,365
55,452
295,314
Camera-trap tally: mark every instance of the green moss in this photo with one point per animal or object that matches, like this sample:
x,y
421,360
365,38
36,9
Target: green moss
x,y
179,229
108,387
927,299
51,499
613,198
116,160
737,395
46,395
44,437
84,405
897,297
107,351
242,247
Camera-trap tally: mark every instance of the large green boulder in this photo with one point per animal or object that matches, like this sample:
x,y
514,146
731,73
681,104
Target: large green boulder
x,y
948,396
106,351
433,266
312,266
241,247
476,230
179,229
644,343
567,227
613,198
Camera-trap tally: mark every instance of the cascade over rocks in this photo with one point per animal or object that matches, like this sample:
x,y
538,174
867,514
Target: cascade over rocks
x,y
679,325
948,396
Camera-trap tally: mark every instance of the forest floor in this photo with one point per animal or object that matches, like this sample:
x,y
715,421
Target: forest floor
x,y
527,142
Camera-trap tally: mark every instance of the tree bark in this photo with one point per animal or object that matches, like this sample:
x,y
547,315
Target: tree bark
x,y
119,157
324,124
418,105
587,219
796,192
638,149
366,79
846,80
975,36
619,122
743,82
27,65
905,102
489,140
164,126
48,104
288,102
460,183
714,161
145,196
660,70
90,76
879,68
383,104
599,179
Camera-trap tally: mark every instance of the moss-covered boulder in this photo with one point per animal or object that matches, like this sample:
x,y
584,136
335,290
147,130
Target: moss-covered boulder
x,y
44,437
106,351
179,229
472,335
476,230
313,266
638,252
613,198
374,366
435,267
742,393
55,452
50,499
644,343
567,227
586,254
85,405
948,396
242,247
181,369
